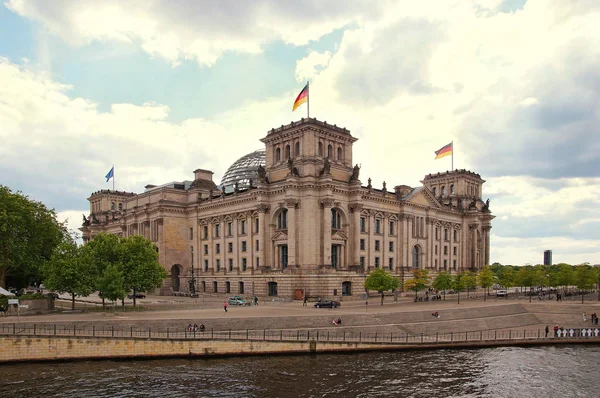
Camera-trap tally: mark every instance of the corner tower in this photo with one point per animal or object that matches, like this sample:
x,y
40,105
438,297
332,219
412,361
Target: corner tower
x,y
304,148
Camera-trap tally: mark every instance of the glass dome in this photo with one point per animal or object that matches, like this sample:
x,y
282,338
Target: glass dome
x,y
244,169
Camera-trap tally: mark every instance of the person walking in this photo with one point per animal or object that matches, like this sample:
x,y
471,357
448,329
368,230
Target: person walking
x,y
547,331
225,305
304,302
255,300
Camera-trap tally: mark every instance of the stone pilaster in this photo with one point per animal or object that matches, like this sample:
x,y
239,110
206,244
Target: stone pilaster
x,y
326,204
291,205
355,233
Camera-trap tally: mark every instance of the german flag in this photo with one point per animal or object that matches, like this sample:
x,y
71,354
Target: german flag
x,y
302,98
444,151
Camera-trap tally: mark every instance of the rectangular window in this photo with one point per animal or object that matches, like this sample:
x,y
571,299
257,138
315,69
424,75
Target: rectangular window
x,y
363,223
362,244
205,265
445,233
229,228
454,265
217,231
376,262
206,232
230,265
436,263
192,254
391,247
362,261
391,228
445,264
435,249
215,287
243,246
218,265
257,262
244,264
243,227
391,263
257,245
256,225
218,248
445,250
437,233
377,226
454,250
206,250
229,247
455,235
283,256
376,245
192,233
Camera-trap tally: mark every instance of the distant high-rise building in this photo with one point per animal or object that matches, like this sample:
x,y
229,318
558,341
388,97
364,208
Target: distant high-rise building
x,y
547,257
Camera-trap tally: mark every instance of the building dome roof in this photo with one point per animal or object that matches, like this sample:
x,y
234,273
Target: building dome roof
x,y
244,169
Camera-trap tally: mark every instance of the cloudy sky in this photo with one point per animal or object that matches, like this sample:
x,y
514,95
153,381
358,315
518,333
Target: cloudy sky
x,y
159,88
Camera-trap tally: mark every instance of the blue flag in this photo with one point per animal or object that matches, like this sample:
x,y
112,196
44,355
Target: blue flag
x,y
110,174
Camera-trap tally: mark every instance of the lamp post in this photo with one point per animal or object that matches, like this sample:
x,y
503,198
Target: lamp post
x,y
192,283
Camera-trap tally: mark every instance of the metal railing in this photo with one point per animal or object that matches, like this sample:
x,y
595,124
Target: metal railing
x,y
296,335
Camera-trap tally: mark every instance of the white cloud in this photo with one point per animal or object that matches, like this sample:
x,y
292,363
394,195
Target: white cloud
x,y
308,67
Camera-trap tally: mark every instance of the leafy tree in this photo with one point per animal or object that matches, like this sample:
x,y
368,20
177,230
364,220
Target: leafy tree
x,y
485,278
507,279
102,251
419,281
470,281
381,281
139,265
67,273
29,232
443,281
564,276
110,284
584,279
458,284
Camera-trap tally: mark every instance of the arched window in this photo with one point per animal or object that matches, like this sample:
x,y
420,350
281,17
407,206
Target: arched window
x,y
415,256
339,154
329,151
320,153
120,206
452,189
112,205
282,219
287,152
297,149
434,191
444,191
277,154
336,219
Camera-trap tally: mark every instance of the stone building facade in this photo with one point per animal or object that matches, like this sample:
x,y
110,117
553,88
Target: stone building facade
x,y
305,225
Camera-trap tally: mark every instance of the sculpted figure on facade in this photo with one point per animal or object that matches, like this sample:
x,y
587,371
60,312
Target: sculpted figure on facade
x,y
326,170
355,173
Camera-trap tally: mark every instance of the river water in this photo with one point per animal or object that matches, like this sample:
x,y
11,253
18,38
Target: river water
x,y
570,371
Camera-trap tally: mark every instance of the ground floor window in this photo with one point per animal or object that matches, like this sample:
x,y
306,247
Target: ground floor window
x,y
336,251
227,287
346,288
283,256
272,286
215,287
241,287
203,287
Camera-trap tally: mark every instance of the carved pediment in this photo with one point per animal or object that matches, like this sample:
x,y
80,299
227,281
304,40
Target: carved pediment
x,y
339,236
424,198
279,236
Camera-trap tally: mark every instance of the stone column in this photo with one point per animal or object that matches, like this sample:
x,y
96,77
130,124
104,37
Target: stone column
x,y
291,205
486,245
354,233
472,245
326,204
263,233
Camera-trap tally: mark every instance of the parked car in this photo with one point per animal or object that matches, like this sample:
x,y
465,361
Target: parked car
x,y
501,293
236,300
54,295
137,296
327,304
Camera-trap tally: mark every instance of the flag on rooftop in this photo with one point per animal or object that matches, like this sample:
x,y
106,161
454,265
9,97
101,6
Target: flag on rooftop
x,y
444,151
302,97
110,174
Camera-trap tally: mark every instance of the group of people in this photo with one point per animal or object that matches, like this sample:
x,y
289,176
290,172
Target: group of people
x,y
338,322
593,318
196,328
435,314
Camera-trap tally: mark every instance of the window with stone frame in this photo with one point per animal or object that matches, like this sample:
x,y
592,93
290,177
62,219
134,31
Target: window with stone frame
x,y
217,230
376,245
376,262
205,249
454,265
205,265
230,265
243,246
206,232
454,251
445,250
297,149
218,262
256,225
435,249
243,227
455,237
230,247
192,233
363,224
391,228
377,226
391,247
336,219
257,245
362,244
437,233
229,228
391,263
362,261
277,154
282,219
218,248
445,234
244,264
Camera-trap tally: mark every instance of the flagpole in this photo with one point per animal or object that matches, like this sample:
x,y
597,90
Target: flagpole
x,y
113,177
452,142
308,99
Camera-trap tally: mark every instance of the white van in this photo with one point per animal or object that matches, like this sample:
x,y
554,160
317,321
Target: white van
x,y
501,293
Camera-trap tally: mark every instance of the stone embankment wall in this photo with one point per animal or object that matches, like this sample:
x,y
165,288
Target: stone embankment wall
x,y
21,348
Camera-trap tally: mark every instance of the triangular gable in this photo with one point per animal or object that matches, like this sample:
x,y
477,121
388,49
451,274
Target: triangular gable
x,y
339,235
424,198
279,236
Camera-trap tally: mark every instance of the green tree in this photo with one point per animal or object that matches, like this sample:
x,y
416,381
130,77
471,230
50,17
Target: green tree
x,y
470,281
525,276
485,278
381,281
29,232
507,279
110,284
443,281
102,251
419,281
584,279
458,284
67,273
564,276
139,265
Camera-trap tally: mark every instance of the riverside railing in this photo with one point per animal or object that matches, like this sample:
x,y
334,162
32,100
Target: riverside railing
x,y
296,335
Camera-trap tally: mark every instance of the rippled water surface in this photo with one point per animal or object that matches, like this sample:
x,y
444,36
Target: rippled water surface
x,y
499,372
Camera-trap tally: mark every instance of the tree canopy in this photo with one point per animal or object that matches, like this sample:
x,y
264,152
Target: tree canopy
x,y
381,281
29,232
419,281
443,281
